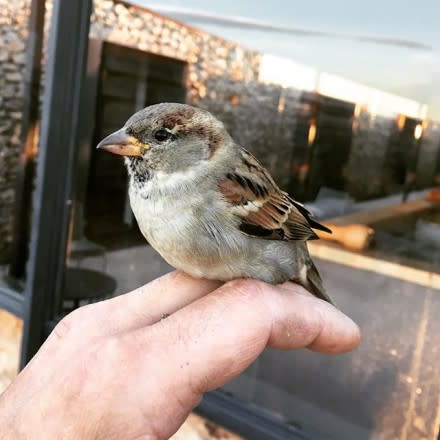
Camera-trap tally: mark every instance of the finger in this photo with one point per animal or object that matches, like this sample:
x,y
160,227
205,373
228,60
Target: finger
x,y
141,307
319,325
157,299
218,336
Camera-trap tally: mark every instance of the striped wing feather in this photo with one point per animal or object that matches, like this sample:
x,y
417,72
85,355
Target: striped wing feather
x,y
265,211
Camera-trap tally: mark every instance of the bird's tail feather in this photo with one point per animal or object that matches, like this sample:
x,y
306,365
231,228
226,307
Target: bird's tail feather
x,y
314,283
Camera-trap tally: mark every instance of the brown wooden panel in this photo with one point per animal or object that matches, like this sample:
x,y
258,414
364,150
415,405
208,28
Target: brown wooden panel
x,y
107,129
166,70
110,167
119,86
116,112
163,91
123,64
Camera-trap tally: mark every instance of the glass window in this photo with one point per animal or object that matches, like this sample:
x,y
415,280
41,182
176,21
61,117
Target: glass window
x,y
342,106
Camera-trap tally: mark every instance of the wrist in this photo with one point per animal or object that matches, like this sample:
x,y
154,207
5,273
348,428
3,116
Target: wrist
x,y
29,419
9,417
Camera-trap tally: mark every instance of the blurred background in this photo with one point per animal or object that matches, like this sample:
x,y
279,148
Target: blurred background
x,y
340,101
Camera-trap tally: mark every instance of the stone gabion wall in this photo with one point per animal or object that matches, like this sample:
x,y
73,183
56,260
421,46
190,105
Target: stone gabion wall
x,y
206,55
13,37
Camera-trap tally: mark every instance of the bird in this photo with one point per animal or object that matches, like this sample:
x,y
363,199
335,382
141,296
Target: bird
x,y
207,205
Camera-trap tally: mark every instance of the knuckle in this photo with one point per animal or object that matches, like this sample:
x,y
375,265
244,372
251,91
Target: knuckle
x,y
66,326
251,300
61,330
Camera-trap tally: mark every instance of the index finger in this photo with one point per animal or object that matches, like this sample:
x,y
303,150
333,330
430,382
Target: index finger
x,y
139,308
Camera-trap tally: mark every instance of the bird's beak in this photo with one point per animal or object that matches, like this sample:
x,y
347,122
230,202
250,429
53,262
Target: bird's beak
x,y
120,142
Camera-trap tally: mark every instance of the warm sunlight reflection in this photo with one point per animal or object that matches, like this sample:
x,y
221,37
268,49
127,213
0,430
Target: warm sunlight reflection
x,y
312,133
288,73
379,102
418,131
401,118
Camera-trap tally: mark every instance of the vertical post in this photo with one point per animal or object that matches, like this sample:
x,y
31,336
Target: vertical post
x,y
85,136
65,68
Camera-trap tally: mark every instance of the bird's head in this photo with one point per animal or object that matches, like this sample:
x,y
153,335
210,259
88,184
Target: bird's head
x,y
167,137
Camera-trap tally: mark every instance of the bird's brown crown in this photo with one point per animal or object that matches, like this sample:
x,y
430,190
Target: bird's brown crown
x,y
179,119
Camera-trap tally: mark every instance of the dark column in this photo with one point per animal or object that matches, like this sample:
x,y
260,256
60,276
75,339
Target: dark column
x,y
86,128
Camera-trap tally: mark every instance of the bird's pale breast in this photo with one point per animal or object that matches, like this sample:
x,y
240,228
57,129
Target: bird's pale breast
x,y
192,234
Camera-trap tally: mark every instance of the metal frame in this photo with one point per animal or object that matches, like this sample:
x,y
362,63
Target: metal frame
x,y
247,420
11,301
86,127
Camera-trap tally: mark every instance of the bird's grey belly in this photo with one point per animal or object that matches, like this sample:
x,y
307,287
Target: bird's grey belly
x,y
186,243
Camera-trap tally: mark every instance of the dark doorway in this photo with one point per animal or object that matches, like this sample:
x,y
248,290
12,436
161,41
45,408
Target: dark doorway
x,y
129,80
401,157
332,145
323,136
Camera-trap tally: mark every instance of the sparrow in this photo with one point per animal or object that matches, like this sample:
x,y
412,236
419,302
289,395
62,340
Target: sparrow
x,y
207,205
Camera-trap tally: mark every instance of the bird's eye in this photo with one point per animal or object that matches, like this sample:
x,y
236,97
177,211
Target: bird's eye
x,y
162,135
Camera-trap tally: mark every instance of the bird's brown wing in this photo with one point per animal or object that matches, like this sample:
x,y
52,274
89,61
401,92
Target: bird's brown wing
x,y
265,211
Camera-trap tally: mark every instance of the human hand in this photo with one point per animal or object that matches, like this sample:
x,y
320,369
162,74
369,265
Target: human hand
x,y
116,370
